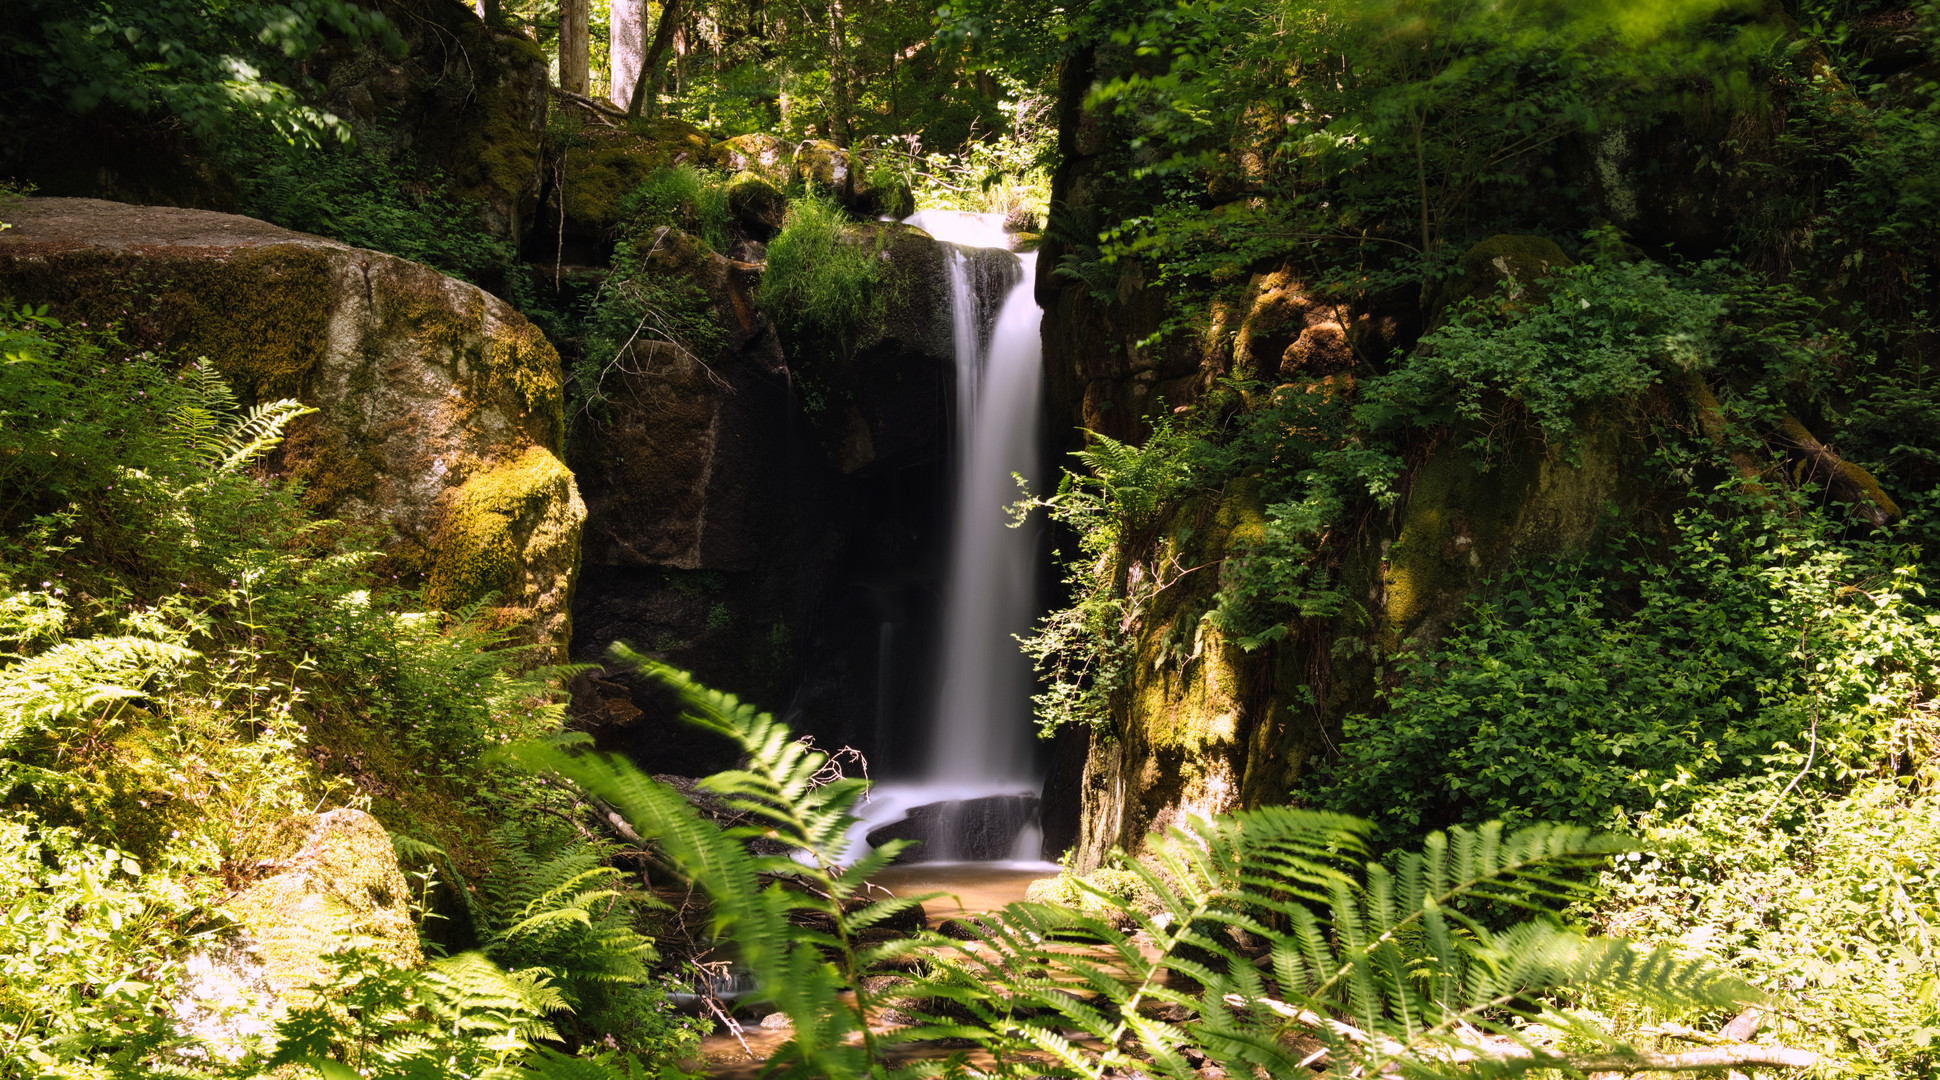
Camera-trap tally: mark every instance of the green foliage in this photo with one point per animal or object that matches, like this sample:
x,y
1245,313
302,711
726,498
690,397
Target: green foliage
x,y
368,199
180,650
1277,922
206,63
1386,965
554,903
89,942
684,197
1828,906
1450,109
1598,689
1547,350
1082,652
822,285
787,796
459,1016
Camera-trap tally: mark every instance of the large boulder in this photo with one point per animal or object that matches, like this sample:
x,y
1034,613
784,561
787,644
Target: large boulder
x,y
598,159
761,154
757,205
440,407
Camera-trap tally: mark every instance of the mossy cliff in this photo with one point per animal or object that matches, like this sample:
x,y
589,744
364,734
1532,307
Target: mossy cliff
x,y
440,408
465,101
1203,725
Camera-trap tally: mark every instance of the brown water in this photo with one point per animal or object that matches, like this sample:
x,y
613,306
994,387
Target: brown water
x,y
969,888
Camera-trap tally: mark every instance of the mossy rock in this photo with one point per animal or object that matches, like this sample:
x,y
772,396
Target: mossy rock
x,y
823,164
422,382
758,205
335,879
1462,524
606,162
759,153
508,532
1517,261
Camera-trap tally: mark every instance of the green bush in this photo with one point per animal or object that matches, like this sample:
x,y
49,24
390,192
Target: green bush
x,y
822,284
1544,350
1599,689
367,199
183,654
1826,904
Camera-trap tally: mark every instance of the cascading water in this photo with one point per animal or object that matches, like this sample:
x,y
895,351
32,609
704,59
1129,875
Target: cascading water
x,y
981,727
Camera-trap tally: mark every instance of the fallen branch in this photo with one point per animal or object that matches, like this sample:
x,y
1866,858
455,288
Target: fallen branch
x,y
1847,481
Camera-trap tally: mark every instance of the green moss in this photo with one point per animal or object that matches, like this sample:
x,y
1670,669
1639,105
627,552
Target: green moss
x,y
524,365
480,546
606,164
1462,523
757,204
341,878
261,315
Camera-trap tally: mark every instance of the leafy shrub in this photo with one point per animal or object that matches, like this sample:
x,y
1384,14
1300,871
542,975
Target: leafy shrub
x,y
1598,689
1825,903
554,902
181,649
367,198
1545,350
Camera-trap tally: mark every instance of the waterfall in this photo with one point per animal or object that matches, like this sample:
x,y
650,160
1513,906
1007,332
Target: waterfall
x,y
981,720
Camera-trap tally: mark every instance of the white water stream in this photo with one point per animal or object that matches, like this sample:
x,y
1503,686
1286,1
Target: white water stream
x,y
981,720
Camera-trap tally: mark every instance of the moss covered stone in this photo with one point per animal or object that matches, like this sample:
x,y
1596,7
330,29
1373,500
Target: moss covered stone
x,y
502,525
822,163
1505,258
335,878
759,153
757,204
1462,524
606,161
422,383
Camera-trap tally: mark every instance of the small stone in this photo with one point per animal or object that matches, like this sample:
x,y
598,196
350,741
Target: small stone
x,y
777,1021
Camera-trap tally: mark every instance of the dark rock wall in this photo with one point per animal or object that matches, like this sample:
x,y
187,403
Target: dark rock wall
x,y
774,524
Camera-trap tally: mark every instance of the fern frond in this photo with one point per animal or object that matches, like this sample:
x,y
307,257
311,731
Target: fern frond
x,y
256,433
78,676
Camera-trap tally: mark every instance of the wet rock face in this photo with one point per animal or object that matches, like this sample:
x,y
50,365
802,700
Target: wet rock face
x,y
774,523
973,830
439,405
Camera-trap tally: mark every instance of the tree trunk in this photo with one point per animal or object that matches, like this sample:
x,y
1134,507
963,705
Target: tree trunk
x,y
627,21
646,88
841,78
575,47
